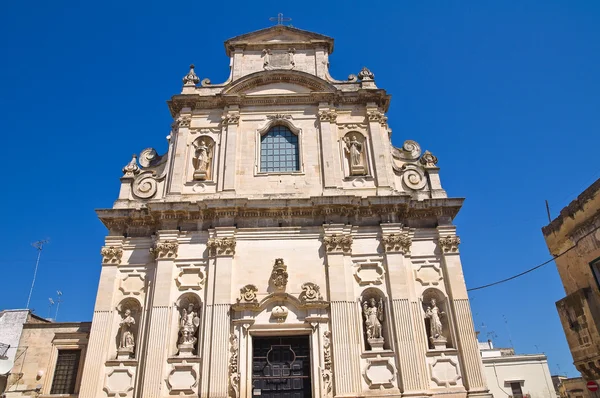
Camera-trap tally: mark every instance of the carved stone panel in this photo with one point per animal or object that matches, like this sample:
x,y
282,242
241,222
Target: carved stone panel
x,y
182,379
369,272
132,284
427,271
190,276
444,371
380,373
119,382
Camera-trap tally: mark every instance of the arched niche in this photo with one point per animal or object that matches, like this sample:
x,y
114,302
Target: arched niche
x,y
189,309
202,154
374,308
436,310
127,324
355,150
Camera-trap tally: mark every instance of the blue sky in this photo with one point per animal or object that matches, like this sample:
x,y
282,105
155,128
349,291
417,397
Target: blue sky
x,y
504,93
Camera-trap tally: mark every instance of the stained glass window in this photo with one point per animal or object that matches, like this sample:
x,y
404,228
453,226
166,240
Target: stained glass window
x,y
279,151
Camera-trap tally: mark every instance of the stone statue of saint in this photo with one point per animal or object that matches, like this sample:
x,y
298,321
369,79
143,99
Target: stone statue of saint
x,y
354,150
188,325
127,342
373,313
435,323
202,160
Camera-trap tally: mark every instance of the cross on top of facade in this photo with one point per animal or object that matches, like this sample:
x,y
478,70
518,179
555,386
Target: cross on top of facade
x,y
280,19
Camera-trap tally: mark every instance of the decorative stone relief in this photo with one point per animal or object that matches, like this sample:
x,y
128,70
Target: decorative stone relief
x,y
133,283
182,379
365,74
352,126
279,116
111,254
398,243
369,272
230,118
444,371
428,159
188,327
328,116
449,244
410,151
373,313
190,277
182,121
202,161
380,373
279,276
234,375
131,169
166,249
119,381
248,295
427,272
413,177
191,79
221,246
278,59
326,372
279,313
310,292
377,116
338,243
354,149
145,187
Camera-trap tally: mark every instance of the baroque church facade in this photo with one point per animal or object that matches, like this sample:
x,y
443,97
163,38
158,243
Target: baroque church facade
x,y
282,246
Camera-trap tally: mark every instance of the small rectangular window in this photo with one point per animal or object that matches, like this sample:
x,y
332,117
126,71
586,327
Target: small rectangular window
x,y
517,392
65,373
596,270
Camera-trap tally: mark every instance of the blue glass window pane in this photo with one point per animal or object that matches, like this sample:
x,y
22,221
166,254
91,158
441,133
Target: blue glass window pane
x,y
279,151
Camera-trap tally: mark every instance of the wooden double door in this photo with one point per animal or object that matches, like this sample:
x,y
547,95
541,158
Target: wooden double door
x,y
281,367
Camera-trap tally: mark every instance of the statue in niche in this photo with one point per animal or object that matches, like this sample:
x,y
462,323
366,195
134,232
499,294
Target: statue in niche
x,y
126,340
354,150
202,158
188,326
434,314
373,313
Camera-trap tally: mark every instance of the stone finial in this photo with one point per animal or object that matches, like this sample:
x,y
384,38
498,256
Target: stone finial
x,y
190,79
365,74
428,159
132,168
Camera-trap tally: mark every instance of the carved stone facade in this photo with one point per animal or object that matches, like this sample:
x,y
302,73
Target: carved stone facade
x,y
280,209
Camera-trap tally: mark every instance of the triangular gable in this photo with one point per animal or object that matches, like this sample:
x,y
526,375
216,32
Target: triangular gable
x,y
278,34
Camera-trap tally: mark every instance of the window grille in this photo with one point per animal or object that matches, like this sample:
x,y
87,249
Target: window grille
x,y
279,151
65,373
517,392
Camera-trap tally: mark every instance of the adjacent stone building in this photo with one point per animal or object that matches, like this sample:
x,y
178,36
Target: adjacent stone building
x,y
282,245
574,239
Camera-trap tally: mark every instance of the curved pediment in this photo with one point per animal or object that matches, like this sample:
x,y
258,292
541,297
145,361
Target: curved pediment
x,y
277,83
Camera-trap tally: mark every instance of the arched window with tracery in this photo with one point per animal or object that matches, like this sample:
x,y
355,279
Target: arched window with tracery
x,y
279,151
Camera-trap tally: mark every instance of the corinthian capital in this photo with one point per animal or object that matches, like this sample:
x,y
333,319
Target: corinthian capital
x,y
338,243
111,254
399,243
449,244
221,246
166,249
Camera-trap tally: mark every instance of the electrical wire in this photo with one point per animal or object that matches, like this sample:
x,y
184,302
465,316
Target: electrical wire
x,y
534,268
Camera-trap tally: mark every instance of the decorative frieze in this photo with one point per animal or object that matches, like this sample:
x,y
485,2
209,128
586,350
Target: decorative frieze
x,y
111,254
279,116
221,246
396,243
326,373
234,375
327,116
166,249
310,293
338,243
449,244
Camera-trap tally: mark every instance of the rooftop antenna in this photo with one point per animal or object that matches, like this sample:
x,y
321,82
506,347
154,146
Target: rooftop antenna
x,y
508,331
59,300
50,304
39,245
